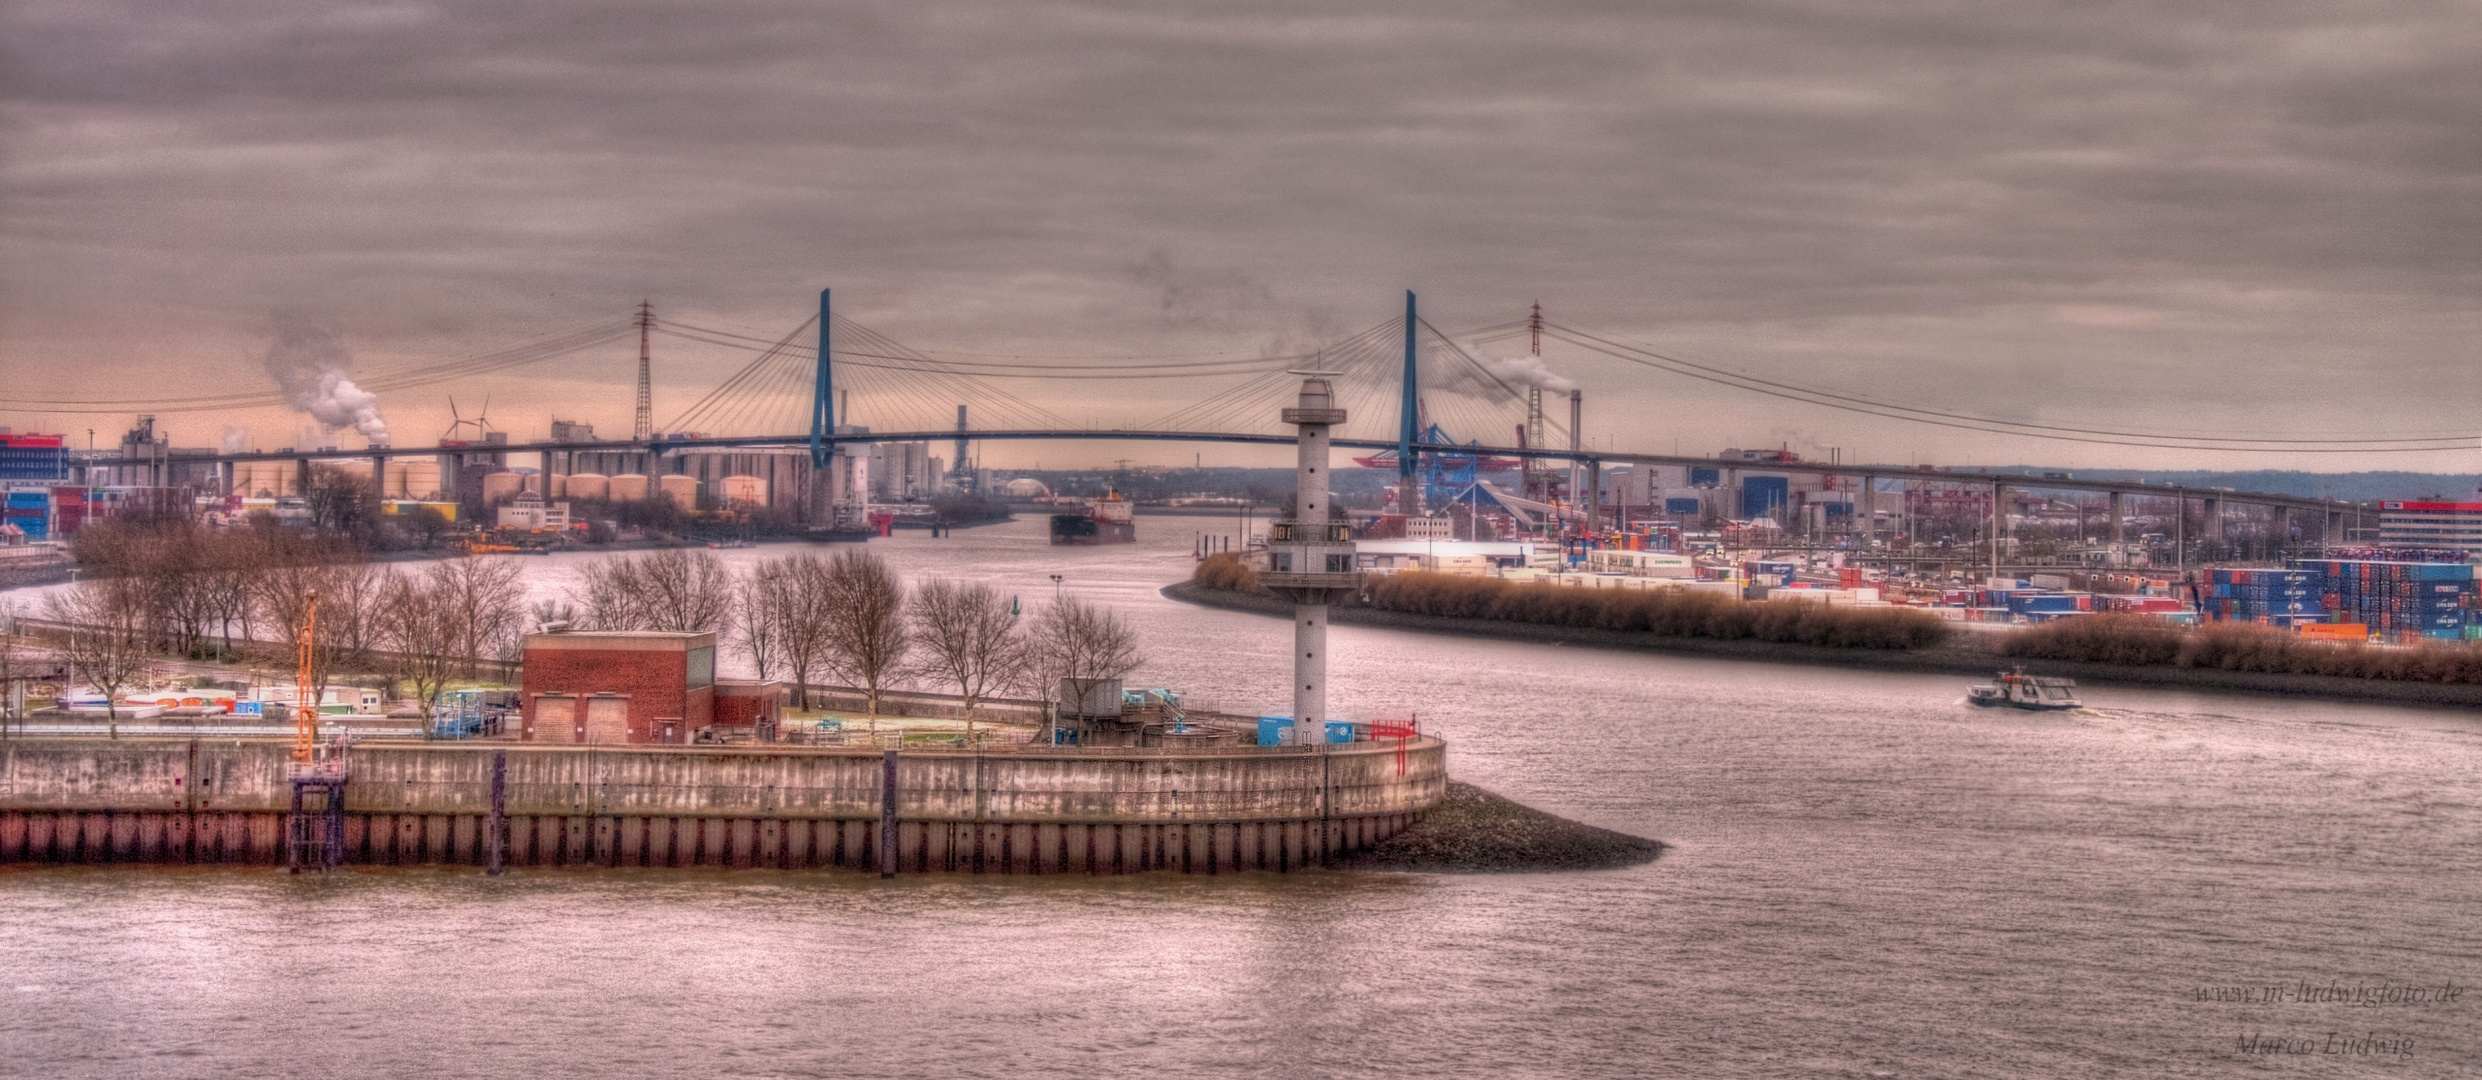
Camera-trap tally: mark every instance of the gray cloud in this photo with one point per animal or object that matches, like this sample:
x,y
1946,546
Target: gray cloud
x,y
2218,214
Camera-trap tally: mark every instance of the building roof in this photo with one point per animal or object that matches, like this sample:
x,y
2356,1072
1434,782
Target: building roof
x,y
637,640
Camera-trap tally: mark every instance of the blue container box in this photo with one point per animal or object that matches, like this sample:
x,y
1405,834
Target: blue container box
x,y
1271,729
1340,731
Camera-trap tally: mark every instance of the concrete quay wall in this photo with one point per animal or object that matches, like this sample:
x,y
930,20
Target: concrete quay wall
x,y
1006,810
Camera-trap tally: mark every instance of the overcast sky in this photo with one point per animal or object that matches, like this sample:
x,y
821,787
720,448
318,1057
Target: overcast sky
x,y
2246,217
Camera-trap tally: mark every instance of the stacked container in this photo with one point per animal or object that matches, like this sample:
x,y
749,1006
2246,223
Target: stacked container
x,y
30,511
2280,597
2399,600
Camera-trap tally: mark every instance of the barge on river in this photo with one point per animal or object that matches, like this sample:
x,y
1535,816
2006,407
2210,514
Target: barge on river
x,y
1108,520
2017,690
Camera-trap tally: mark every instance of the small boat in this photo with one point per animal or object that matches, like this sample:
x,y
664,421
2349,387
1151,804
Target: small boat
x,y
2018,690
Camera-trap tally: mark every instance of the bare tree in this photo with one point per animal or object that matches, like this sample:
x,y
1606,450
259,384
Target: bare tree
x,y
758,600
340,501
1082,645
108,637
674,590
545,613
12,661
421,618
801,605
355,589
286,594
968,638
487,601
865,624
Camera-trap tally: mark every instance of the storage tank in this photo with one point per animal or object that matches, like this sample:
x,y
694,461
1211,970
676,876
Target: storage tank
x,y
628,487
559,487
742,490
253,478
413,479
588,485
501,485
683,489
1027,487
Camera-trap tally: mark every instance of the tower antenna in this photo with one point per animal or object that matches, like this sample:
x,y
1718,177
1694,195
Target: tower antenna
x,y
645,427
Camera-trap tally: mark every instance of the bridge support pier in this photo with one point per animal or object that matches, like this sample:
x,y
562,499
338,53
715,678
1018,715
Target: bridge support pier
x,y
2118,530
1594,496
2210,510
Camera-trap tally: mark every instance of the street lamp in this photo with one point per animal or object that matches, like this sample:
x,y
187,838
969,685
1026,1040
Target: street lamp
x,y
1055,586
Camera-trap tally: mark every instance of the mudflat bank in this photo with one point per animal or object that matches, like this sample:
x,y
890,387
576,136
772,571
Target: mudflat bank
x,y
1969,654
1472,831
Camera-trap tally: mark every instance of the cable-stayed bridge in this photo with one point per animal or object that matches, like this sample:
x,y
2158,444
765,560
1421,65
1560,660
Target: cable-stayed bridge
x,y
1417,397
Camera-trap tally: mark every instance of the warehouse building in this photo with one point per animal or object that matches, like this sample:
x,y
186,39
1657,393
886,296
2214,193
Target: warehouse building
x,y
2435,526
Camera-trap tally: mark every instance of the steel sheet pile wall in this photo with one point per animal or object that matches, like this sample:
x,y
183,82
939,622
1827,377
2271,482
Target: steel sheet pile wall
x,y
2400,600
1029,811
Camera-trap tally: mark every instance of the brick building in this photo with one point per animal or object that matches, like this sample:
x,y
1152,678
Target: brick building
x,y
752,705
618,686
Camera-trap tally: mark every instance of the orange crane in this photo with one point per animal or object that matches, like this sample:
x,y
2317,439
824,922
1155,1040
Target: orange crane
x,y
306,729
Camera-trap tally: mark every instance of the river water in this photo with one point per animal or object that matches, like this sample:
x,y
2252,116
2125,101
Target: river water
x,y
1866,878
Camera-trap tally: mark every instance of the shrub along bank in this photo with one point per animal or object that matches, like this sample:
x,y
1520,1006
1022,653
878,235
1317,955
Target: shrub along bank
x,y
2142,641
1662,612
1225,570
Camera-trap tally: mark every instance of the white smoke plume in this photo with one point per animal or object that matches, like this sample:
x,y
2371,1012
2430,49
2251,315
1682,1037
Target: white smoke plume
x,y
1527,371
309,363
1516,372
236,440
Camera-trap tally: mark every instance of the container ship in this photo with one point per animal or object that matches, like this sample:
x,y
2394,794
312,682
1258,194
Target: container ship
x,y
1104,521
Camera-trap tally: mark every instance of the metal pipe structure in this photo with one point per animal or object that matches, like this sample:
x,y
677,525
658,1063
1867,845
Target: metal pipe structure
x,y
887,814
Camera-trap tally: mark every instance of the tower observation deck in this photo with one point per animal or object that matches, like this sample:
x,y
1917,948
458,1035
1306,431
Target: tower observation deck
x,y
1310,555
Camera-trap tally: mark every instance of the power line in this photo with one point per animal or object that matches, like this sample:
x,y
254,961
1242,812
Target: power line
x,y
1647,357
1935,418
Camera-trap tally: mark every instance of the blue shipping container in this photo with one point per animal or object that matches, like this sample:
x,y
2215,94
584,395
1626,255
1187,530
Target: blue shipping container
x,y
1271,729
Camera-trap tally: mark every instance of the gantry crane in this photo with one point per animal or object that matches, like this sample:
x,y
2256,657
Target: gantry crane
x,y
316,838
306,711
